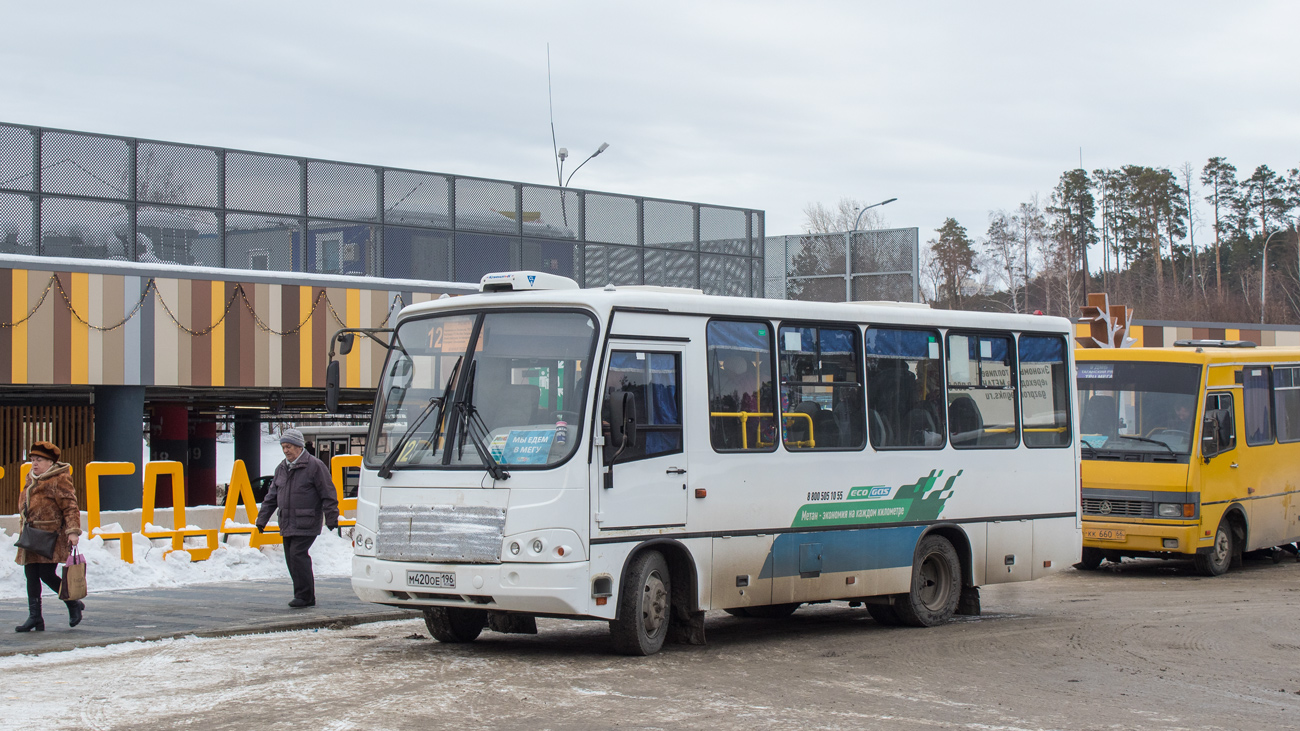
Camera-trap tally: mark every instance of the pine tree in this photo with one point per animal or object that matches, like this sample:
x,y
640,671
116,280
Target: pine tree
x,y
1221,178
954,258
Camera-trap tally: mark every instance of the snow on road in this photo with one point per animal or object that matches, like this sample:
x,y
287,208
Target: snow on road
x,y
233,561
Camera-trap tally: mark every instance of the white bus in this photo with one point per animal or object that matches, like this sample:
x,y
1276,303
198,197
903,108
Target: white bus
x,y
644,454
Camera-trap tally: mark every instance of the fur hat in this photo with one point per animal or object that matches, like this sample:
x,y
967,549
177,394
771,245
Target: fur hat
x,y
292,436
46,450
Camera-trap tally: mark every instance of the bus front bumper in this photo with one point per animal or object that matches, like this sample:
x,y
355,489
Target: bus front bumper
x,y
536,588
1143,538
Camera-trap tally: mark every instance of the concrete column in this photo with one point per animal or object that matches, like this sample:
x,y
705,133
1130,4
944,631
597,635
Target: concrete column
x,y
248,441
119,411
201,477
169,439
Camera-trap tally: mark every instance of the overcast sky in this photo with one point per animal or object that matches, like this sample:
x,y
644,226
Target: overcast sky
x,y
955,108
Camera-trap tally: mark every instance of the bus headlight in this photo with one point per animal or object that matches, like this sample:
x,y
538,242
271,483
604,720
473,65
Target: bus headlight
x,y
1176,510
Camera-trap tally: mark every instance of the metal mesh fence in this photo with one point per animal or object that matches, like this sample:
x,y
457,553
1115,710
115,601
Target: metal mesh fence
x,y
728,275
551,212
670,268
612,265
669,225
882,265
335,190
178,174
178,236
16,160
85,229
722,230
611,219
264,183
486,205
85,165
16,224
74,194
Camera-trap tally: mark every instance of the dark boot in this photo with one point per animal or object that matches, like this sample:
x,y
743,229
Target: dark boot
x,y
34,619
74,612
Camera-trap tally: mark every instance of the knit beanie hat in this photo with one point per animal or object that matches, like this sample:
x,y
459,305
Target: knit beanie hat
x,y
292,436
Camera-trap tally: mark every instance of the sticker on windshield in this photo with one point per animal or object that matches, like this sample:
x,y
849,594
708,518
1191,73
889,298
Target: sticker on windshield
x,y
1096,370
529,447
498,447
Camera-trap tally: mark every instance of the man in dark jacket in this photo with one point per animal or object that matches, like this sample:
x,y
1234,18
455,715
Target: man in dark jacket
x,y
304,493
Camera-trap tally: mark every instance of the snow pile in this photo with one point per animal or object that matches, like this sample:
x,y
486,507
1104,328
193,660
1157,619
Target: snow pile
x,y
233,561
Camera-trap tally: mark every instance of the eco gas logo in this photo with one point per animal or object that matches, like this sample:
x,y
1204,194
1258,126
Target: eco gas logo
x,y
873,492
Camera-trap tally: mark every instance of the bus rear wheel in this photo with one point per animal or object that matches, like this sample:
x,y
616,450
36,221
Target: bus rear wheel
x,y
455,625
1217,561
936,584
644,607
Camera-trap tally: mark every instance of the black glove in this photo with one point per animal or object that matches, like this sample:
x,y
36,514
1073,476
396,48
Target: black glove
x,y
335,526
261,528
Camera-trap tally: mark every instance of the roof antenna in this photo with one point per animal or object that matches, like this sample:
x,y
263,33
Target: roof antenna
x,y
551,107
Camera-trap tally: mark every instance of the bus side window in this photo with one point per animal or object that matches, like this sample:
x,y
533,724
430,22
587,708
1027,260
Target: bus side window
x,y
981,391
904,388
821,388
1256,401
742,405
1286,402
1228,426
1044,391
654,380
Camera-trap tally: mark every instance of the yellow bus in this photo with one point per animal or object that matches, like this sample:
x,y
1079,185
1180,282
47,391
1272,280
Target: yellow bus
x,y
1189,452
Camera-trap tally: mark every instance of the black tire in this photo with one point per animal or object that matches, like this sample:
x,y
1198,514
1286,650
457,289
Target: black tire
x,y
884,614
770,611
741,612
936,584
1218,560
455,625
1092,558
644,607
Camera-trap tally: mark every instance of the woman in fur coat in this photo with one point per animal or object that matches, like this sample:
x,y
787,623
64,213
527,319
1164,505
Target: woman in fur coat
x,y
48,503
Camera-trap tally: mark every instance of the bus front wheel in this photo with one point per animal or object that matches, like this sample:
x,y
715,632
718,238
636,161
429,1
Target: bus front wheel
x,y
455,624
644,606
1217,561
1091,559
936,584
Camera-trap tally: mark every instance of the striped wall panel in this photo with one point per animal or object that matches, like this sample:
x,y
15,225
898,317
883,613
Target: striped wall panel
x,y
80,328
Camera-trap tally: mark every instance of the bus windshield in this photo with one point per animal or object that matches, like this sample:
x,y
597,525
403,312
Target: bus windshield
x,y
525,377
1137,406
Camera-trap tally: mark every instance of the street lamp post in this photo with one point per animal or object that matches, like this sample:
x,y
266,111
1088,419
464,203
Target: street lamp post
x,y
1263,276
848,247
563,154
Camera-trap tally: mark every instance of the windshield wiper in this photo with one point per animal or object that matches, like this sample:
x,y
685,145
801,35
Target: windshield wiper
x,y
472,426
1145,439
437,402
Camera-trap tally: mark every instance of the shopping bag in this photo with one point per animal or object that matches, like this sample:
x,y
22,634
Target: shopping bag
x,y
74,578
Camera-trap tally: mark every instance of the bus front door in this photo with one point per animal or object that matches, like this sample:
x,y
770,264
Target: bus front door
x,y
645,482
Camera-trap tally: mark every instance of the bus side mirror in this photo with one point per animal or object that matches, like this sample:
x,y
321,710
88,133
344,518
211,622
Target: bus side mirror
x,y
332,387
1209,438
622,426
345,343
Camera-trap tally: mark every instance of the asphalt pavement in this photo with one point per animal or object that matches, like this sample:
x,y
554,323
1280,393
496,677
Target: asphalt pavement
x,y
203,610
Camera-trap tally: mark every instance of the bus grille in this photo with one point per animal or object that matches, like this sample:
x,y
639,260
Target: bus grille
x,y
440,533
1118,508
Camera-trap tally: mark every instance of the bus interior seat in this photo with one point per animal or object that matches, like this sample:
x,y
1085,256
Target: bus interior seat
x,y
922,428
826,432
964,420
1098,415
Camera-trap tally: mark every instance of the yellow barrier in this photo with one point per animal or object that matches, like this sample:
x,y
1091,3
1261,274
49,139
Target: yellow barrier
x,y
178,533
94,471
241,490
338,463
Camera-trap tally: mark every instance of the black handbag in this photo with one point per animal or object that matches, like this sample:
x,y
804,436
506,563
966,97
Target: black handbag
x,y
39,542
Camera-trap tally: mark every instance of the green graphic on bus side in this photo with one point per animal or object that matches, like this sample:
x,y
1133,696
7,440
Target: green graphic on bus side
x,y
920,501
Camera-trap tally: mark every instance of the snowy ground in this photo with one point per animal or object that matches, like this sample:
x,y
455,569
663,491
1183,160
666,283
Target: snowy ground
x,y
234,561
